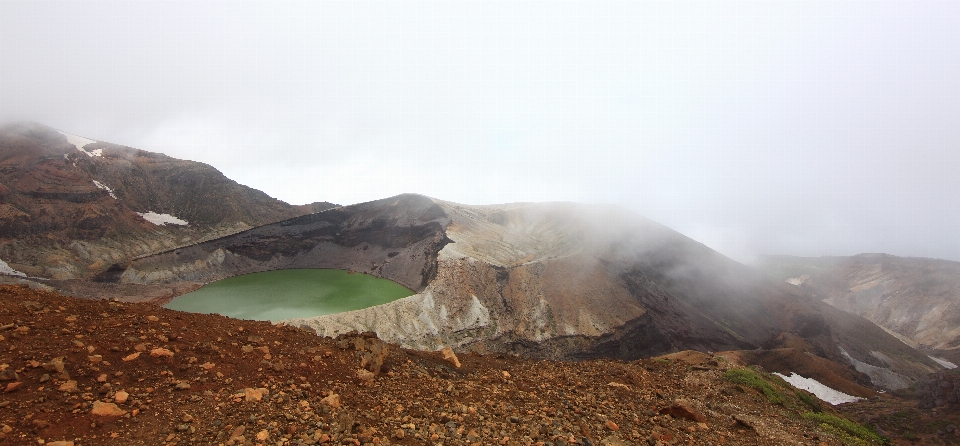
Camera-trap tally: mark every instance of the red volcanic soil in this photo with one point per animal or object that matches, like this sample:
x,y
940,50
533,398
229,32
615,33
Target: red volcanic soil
x,y
101,372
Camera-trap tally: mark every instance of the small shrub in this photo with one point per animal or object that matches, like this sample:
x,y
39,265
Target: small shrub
x,y
847,431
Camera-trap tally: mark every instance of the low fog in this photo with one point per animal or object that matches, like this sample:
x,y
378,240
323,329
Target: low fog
x,y
803,128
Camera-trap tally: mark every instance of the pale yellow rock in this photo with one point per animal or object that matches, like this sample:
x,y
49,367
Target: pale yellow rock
x,y
263,435
121,396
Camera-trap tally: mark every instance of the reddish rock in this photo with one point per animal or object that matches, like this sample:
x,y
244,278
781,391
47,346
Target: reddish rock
x,y
253,395
12,386
332,400
106,409
450,356
683,409
161,353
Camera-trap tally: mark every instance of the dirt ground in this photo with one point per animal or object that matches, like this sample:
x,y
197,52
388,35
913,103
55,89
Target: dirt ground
x,y
104,372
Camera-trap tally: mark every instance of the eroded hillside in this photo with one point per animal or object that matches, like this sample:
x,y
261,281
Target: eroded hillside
x,y
543,280
70,207
917,299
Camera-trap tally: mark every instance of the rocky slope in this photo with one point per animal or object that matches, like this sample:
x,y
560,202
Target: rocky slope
x,y
549,280
918,299
89,372
71,207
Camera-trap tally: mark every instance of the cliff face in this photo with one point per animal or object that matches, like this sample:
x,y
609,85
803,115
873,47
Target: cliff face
x,y
71,207
396,238
549,280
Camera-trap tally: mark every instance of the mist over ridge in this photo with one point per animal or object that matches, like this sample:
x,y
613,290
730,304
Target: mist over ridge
x,y
762,128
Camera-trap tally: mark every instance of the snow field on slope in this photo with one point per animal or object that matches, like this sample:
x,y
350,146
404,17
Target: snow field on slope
x,y
104,187
821,391
162,219
943,362
80,141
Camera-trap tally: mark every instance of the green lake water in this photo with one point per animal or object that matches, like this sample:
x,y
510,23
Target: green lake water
x,y
284,294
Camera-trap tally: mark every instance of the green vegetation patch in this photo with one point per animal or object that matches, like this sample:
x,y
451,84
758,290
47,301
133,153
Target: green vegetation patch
x,y
847,431
752,379
289,293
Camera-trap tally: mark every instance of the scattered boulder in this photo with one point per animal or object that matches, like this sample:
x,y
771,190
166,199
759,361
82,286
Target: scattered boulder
x,y
450,356
161,353
332,400
69,386
55,365
254,395
9,375
106,410
683,409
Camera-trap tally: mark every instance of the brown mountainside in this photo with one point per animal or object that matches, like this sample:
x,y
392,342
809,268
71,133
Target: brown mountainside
x,y
916,298
69,206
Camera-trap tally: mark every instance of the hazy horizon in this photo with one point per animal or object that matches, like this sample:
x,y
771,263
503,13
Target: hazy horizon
x,y
796,128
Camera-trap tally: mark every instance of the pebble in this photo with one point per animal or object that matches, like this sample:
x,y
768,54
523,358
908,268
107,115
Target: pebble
x,y
121,396
131,356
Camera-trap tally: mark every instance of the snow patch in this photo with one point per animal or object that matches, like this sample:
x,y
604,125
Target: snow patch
x,y
104,187
6,269
162,219
795,281
946,364
80,141
823,392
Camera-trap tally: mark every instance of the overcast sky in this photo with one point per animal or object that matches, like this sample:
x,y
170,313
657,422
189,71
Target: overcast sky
x,y
806,128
